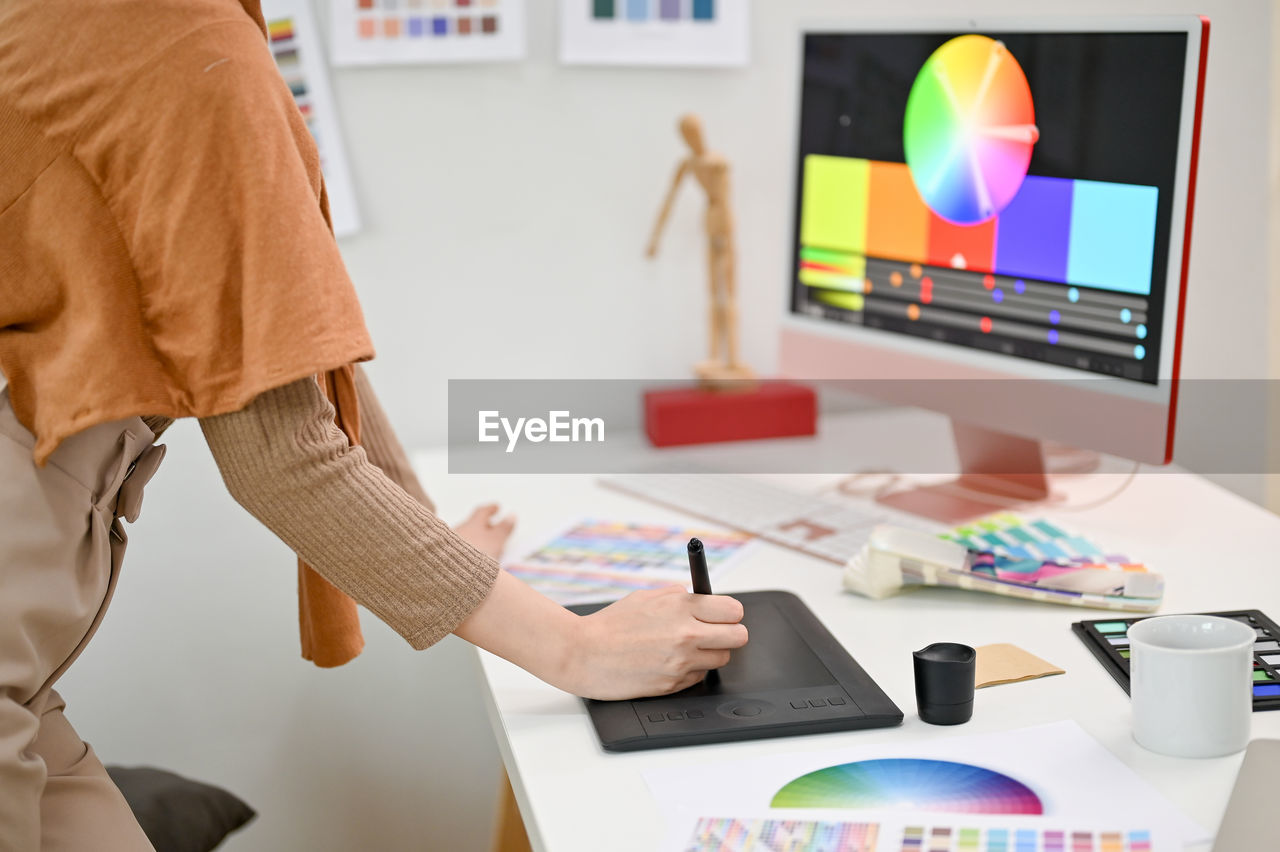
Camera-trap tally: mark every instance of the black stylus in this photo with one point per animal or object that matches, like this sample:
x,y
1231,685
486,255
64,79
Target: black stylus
x,y
701,584
698,567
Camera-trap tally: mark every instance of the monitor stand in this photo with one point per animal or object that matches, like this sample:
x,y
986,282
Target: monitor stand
x,y
997,472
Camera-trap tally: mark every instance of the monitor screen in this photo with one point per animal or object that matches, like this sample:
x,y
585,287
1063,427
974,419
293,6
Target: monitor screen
x,y
1008,192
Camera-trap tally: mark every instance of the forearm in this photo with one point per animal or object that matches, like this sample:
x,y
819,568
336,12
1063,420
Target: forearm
x,y
521,625
285,461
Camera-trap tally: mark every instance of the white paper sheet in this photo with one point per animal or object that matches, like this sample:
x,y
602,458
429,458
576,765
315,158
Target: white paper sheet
x,y
1077,781
689,33
295,45
378,32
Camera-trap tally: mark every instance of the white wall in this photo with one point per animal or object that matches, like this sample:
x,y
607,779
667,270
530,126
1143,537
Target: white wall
x,y
506,209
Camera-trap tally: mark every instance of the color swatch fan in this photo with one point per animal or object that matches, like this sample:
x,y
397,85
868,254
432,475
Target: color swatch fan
x,y
969,129
910,784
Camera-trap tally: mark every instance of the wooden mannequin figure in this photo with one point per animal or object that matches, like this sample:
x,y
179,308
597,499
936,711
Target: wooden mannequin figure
x,y
712,172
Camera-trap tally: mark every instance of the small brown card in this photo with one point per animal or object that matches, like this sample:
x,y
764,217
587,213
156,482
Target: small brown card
x,y
1005,663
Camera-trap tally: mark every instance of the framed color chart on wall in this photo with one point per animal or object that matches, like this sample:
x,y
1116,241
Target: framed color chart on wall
x,y
688,33
375,32
295,44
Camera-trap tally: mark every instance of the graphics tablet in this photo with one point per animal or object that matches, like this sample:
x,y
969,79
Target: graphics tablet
x,y
792,677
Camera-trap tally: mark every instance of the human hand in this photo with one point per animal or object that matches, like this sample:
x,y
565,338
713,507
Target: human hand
x,y
485,534
653,642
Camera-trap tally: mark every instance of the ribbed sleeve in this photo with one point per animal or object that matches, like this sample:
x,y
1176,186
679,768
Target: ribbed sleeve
x,y
283,459
381,444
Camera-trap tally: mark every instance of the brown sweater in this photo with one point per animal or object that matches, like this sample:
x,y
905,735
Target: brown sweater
x,y
285,461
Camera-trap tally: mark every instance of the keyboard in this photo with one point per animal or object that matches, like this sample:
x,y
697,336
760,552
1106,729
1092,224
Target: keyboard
x,y
829,528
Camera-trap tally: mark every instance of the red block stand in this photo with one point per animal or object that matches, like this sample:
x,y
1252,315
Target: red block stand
x,y
700,416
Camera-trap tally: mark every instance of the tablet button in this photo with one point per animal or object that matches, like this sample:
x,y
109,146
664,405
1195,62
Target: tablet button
x,y
675,715
693,714
745,708
835,701
800,705
818,702
656,717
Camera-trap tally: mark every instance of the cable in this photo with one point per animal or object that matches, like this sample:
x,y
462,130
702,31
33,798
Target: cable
x,y
847,487
1093,504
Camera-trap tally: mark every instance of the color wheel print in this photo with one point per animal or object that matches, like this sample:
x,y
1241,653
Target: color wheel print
x,y
969,129
918,785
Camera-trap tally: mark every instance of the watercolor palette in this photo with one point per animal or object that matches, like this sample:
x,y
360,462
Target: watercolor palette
x,y
1109,641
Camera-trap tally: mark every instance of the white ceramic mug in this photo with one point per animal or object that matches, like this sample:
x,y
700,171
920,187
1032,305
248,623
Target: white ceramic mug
x,y
1190,678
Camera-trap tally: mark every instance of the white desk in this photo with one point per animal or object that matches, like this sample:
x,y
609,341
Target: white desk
x,y
1216,550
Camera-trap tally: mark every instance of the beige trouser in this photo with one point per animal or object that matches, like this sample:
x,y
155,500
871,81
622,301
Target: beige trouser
x,y
61,541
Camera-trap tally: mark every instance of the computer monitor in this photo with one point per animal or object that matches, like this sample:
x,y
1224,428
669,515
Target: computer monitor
x,y
987,200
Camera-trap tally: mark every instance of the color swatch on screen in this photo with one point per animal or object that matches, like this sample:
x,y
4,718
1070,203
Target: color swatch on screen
x,y
740,835
932,785
1088,233
917,838
969,129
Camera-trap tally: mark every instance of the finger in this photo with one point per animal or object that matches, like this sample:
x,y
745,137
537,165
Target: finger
x,y
717,609
722,636
505,526
703,660
485,512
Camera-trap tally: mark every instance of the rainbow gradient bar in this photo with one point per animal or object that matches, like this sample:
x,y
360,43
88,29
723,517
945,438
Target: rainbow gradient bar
x,y
1088,233
713,834
946,838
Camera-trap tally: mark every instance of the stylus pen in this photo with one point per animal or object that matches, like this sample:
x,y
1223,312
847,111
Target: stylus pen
x,y
701,582
698,567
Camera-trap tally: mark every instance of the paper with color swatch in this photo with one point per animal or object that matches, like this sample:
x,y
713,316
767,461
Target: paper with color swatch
x,y
291,28
380,32
690,33
605,560
881,832
1047,778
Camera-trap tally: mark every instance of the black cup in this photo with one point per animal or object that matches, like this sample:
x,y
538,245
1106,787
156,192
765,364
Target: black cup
x,y
944,682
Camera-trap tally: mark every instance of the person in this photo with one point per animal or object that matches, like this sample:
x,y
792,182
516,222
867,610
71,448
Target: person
x,y
165,253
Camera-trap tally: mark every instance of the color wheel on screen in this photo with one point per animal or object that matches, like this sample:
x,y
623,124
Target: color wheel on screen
x,y
969,129
912,784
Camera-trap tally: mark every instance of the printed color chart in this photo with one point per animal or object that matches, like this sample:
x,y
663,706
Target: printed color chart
x,y
606,560
949,839
643,10
930,785
655,32
731,835
387,31
296,49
